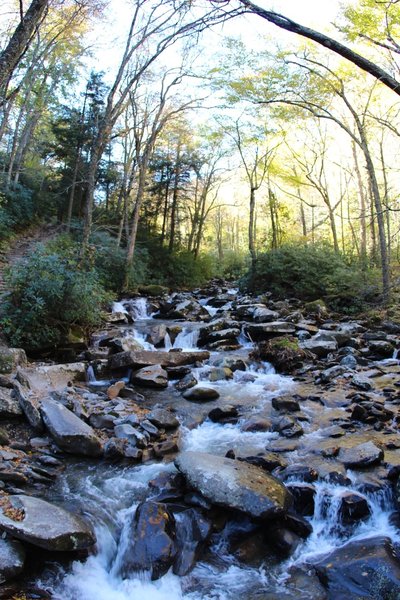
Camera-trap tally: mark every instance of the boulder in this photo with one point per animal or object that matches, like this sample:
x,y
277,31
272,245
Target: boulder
x,y
9,405
156,335
192,531
265,331
234,484
137,360
361,456
69,432
11,358
12,559
320,347
201,394
362,569
153,376
285,404
43,524
353,508
162,417
220,374
186,383
151,541
29,404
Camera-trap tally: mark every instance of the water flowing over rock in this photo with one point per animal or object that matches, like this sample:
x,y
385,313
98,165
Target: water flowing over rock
x,y
234,484
69,432
201,394
152,376
363,455
45,525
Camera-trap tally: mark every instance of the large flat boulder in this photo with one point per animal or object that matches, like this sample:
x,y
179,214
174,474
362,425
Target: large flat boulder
x,y
43,524
152,376
69,432
234,484
41,378
266,331
361,456
138,360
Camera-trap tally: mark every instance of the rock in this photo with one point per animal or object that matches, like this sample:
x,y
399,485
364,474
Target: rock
x,y
257,423
41,378
361,456
147,358
153,376
69,432
288,427
220,374
151,541
29,404
304,498
9,405
156,335
382,348
12,559
201,394
162,417
265,460
283,352
285,403
320,347
361,383
362,569
262,314
328,374
349,361
178,372
11,358
114,390
117,317
152,290
265,331
224,413
44,525
127,432
164,448
233,484
186,383
192,531
353,508
283,540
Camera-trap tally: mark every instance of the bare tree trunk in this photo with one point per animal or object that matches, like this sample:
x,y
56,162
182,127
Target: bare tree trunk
x,y
175,196
252,246
363,211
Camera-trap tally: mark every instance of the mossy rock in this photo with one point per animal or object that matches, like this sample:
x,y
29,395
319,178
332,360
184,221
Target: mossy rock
x,y
283,352
152,290
10,358
316,307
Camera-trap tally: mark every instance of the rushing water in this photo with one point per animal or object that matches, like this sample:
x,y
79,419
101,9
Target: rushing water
x,y
108,496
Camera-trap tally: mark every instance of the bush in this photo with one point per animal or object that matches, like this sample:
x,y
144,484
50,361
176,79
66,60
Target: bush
x,y
49,295
309,273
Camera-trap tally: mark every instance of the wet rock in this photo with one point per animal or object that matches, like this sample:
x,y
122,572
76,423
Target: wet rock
x,y
156,335
257,423
12,559
353,508
9,405
381,348
220,336
283,540
361,456
178,372
368,568
192,531
133,436
150,428
285,404
349,361
201,394
283,352
299,472
44,525
117,317
162,417
234,484
153,376
224,413
329,374
186,383
69,432
303,498
147,358
151,541
288,427
234,364
265,460
265,331
29,404
220,374
262,314
164,448
361,383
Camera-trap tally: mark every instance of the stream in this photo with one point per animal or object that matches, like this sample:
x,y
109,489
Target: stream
x,y
108,494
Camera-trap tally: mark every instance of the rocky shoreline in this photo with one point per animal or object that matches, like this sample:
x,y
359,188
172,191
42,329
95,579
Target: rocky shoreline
x,y
338,426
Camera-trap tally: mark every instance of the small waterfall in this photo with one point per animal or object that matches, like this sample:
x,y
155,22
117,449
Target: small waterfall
x,y
167,342
187,339
90,374
118,307
139,309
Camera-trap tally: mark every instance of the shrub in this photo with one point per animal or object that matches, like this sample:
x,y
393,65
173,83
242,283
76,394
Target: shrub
x,y
49,294
309,273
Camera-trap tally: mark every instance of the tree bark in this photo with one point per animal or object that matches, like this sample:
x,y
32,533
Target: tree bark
x,y
19,43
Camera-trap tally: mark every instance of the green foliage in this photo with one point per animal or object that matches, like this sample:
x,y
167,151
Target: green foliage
x,y
309,273
16,208
49,294
233,265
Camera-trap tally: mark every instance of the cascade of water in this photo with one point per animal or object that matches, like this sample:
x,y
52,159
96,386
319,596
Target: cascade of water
x,y
167,342
187,339
90,374
118,307
139,309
